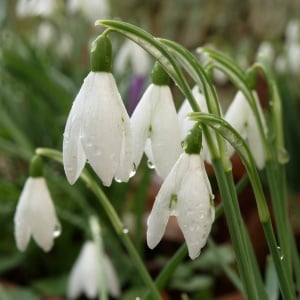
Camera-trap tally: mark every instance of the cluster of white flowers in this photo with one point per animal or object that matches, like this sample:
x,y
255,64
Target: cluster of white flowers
x,y
99,131
288,59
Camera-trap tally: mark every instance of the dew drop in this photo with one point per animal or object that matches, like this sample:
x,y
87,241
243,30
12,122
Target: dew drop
x,y
125,231
57,231
133,171
280,253
150,165
283,155
118,180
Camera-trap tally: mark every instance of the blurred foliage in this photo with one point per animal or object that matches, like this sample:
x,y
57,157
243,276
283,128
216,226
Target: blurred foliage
x,y
43,60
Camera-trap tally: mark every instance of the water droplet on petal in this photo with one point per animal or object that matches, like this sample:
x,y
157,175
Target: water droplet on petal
x,y
57,231
118,180
150,165
133,171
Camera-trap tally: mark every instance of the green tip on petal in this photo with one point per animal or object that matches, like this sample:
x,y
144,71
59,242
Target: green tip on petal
x,y
159,75
36,167
101,54
193,141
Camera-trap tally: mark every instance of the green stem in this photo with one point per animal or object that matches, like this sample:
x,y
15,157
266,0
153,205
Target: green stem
x,y
113,216
251,283
286,286
280,211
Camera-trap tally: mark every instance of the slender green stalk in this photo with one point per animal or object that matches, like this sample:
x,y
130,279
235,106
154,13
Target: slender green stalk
x,y
113,216
95,229
235,224
286,285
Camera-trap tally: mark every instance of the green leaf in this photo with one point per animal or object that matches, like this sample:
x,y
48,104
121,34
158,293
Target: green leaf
x,y
55,286
24,294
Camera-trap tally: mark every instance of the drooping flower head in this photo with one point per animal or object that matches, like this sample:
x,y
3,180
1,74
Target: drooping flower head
x,y
84,277
186,193
155,125
241,117
98,127
35,214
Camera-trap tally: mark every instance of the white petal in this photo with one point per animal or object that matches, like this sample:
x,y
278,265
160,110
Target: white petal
x,y
84,277
254,137
158,218
73,155
22,229
194,208
35,214
255,143
186,124
112,280
165,133
237,116
43,219
102,125
126,166
140,123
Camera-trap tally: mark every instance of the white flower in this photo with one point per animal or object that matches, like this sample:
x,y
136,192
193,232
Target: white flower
x,y
98,130
186,193
91,9
242,118
136,56
35,215
267,50
186,124
155,118
84,277
27,8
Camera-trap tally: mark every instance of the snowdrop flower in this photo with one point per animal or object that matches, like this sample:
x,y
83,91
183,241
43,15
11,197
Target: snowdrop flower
x,y
266,49
186,193
186,124
91,9
242,118
98,127
136,56
84,277
35,215
28,8
155,123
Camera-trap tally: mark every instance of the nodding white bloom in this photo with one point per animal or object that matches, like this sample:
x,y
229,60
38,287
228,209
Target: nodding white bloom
x,y
84,277
186,124
186,193
155,123
267,50
98,130
98,127
132,54
35,215
91,9
28,8
242,118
